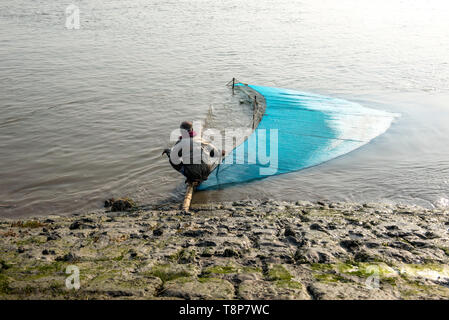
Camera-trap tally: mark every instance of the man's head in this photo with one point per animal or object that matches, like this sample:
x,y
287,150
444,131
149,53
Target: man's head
x,y
186,125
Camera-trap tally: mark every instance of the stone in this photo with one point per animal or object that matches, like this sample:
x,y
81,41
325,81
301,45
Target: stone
x,y
206,243
289,232
122,205
205,289
365,256
69,257
309,255
347,291
158,232
271,290
186,256
431,235
53,236
316,226
117,287
230,253
350,245
264,252
82,224
108,203
195,233
372,245
401,245
240,277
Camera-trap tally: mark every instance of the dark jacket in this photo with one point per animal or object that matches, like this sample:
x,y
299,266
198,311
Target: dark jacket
x,y
199,162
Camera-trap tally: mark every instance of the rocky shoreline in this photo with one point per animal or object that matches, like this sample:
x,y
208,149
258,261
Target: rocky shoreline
x,y
239,250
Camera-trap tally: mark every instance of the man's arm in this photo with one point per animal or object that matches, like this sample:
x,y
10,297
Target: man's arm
x,y
177,167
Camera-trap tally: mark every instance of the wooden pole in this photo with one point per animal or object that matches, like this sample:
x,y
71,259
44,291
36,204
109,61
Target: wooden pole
x,y
188,196
254,111
233,85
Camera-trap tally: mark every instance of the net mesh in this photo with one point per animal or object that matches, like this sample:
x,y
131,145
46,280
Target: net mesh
x,y
310,129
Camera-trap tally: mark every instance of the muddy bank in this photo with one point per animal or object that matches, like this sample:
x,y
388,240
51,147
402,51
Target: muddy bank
x,y
240,250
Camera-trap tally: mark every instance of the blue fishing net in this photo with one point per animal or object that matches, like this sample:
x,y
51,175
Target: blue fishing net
x,y
298,130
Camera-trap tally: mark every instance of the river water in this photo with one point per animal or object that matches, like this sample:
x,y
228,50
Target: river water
x,y
85,114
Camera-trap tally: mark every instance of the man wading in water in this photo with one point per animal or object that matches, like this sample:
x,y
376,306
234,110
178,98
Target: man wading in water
x,y
193,156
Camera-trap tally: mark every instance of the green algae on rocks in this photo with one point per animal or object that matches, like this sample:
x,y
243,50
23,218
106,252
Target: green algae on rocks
x,y
240,250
